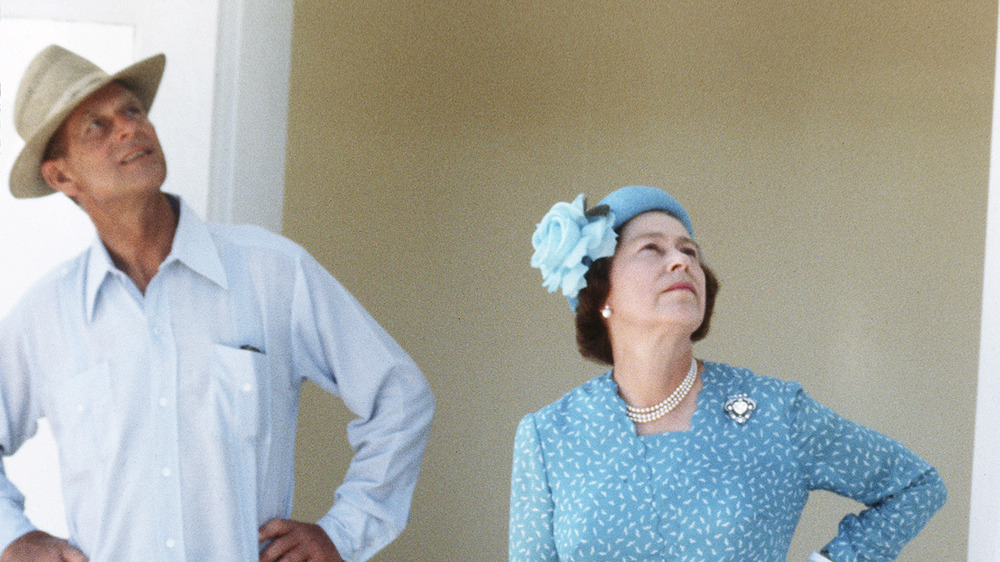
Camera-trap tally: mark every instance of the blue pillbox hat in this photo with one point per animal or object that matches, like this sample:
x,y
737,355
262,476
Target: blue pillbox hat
x,y
633,200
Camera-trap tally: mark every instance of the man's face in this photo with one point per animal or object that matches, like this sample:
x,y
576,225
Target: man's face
x,y
110,149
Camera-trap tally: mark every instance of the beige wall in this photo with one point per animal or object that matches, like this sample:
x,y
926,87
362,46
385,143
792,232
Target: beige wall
x,y
833,156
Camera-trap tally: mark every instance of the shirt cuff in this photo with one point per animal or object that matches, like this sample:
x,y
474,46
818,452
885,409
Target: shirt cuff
x,y
344,544
817,557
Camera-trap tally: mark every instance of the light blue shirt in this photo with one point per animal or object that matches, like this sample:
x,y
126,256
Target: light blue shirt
x,y
584,486
174,412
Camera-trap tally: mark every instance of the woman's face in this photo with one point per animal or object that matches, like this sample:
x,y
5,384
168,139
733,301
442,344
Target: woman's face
x,y
656,276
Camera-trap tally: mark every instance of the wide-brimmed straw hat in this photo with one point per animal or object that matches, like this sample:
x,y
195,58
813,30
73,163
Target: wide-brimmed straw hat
x,y
55,82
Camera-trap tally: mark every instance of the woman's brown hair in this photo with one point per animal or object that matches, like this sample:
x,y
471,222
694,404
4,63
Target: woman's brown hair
x,y
592,336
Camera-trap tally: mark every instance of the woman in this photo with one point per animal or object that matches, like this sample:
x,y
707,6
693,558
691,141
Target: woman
x,y
670,458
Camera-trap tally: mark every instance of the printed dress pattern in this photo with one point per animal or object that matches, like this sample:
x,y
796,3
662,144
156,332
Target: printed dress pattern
x,y
585,487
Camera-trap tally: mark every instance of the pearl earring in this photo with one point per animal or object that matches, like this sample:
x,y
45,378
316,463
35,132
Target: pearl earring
x,y
606,311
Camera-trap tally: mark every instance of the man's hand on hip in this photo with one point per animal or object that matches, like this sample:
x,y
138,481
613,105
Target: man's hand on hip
x,y
294,541
39,546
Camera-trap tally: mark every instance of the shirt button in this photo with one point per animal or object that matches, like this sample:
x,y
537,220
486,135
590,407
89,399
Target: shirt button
x,y
248,388
170,543
166,472
163,402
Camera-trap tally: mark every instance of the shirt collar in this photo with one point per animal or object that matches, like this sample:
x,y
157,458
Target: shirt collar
x,y
192,245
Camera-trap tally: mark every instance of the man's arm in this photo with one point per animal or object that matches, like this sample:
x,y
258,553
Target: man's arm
x,y
341,348
13,522
19,413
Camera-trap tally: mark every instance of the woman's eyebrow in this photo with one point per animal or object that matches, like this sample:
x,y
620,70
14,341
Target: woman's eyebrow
x,y
686,240
660,235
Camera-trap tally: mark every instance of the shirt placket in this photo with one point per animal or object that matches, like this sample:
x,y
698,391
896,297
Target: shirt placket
x,y
165,473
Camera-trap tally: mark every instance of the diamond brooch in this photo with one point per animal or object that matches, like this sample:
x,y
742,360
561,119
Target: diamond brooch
x,y
740,407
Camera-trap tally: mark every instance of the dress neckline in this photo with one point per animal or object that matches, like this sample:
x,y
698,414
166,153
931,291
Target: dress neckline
x,y
708,383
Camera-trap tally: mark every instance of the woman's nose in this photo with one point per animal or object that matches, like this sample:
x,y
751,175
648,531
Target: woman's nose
x,y
678,261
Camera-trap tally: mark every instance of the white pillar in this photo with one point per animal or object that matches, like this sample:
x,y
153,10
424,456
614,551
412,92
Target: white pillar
x,y
984,516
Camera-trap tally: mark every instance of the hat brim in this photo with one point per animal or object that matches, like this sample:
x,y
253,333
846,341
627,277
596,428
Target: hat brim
x,y
142,78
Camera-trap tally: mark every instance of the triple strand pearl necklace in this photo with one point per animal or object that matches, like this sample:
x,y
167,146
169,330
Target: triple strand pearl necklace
x,y
653,413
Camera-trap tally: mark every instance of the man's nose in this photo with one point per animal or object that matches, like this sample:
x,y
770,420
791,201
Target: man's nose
x,y
124,127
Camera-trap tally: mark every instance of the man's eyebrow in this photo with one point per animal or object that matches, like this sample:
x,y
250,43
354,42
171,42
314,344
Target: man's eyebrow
x,y
88,112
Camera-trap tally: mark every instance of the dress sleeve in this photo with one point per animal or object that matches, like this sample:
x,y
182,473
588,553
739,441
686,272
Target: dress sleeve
x,y
531,507
900,490
339,346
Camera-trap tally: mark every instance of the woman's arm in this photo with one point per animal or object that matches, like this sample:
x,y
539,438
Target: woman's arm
x,y
531,507
901,490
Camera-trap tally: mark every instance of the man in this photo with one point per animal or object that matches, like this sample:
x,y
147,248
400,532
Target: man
x,y
168,357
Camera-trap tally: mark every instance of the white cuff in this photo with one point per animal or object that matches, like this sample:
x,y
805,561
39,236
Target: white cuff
x,y
817,557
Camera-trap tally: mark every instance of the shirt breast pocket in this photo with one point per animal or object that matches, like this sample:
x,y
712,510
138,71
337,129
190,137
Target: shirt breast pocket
x,y
234,390
80,416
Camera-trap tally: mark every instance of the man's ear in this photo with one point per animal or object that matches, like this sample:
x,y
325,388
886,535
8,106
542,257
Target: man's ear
x,y
55,175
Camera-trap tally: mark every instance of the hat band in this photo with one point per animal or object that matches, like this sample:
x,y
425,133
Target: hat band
x,y
74,90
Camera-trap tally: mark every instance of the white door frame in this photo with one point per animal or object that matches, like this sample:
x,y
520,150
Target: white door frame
x,y
250,117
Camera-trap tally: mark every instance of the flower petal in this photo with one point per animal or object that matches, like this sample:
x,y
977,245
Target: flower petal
x,y
566,242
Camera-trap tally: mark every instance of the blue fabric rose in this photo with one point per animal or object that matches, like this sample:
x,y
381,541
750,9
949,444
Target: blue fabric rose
x,y
567,241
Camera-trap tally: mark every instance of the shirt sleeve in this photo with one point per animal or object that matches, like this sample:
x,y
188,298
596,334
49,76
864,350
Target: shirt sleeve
x,y
18,422
531,507
341,348
900,490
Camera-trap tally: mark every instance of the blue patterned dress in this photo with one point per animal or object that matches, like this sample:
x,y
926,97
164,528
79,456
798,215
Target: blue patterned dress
x,y
585,487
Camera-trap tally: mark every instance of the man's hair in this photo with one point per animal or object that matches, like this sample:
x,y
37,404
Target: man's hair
x,y
592,336
56,148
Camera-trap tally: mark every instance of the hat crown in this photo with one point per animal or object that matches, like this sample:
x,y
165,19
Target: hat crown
x,y
53,79
628,202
